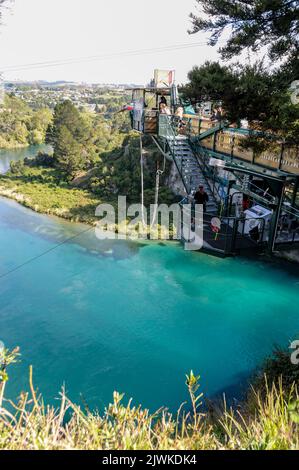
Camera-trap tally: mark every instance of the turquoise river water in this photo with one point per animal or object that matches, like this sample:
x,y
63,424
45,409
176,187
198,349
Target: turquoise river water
x,y
6,156
100,316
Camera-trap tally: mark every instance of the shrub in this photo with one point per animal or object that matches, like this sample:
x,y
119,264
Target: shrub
x,y
35,426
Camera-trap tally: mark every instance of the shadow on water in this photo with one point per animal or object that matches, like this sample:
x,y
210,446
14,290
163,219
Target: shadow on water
x,y
236,391
272,262
58,231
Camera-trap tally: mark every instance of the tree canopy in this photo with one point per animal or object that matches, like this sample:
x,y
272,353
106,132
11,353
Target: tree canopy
x,y
20,125
71,137
246,92
252,24
260,94
209,82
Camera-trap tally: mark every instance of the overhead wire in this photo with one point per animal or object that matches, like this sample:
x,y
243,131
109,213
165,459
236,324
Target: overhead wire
x,y
99,57
34,258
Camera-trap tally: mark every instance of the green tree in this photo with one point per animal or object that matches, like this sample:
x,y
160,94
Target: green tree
x,y
209,82
68,155
261,95
247,92
20,125
252,24
71,136
39,124
41,119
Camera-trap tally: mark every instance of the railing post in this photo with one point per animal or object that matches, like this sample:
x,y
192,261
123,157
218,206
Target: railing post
x,y
274,221
214,141
281,156
234,235
294,195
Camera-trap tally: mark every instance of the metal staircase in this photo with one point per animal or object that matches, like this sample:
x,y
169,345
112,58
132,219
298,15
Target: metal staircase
x,y
190,170
186,161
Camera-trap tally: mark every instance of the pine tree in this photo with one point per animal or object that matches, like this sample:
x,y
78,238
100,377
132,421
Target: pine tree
x,y
68,155
253,24
70,136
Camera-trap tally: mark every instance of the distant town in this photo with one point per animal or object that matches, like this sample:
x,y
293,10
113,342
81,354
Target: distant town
x,y
91,97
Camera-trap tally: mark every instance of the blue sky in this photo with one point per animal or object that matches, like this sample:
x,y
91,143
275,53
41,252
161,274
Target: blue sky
x,y
42,30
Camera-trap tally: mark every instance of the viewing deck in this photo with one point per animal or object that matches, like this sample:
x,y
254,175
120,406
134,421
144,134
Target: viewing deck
x,y
238,180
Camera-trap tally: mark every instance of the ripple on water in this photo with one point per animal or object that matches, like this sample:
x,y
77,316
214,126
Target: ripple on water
x,y
106,315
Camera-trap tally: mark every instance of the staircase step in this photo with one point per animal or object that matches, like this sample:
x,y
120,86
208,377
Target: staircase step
x,y
191,171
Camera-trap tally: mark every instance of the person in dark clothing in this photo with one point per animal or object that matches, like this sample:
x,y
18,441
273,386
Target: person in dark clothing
x,y
163,100
201,197
246,203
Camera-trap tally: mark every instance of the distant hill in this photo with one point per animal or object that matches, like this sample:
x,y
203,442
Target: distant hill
x,y
64,83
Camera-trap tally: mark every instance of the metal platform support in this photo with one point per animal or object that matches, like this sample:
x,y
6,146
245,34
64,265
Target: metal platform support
x,y
275,220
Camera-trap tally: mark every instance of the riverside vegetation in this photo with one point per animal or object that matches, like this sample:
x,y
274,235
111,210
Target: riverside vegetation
x,y
267,420
21,126
95,159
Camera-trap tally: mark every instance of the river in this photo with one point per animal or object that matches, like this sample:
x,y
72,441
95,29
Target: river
x,y
100,316
7,156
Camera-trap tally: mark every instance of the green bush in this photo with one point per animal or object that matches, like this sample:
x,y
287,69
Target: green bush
x,y
32,425
278,367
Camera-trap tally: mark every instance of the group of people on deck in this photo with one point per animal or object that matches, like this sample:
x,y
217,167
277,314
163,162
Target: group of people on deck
x,y
164,108
179,114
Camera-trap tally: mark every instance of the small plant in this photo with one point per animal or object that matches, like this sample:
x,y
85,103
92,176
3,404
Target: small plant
x,y
293,410
6,358
30,424
192,382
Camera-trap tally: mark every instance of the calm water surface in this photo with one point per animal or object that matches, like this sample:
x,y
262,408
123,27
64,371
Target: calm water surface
x,y
101,316
6,156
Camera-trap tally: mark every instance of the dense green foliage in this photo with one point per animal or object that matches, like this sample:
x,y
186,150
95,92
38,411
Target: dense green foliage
x,y
261,95
252,25
94,159
42,189
119,173
79,138
247,92
267,421
70,136
278,368
20,125
39,184
210,82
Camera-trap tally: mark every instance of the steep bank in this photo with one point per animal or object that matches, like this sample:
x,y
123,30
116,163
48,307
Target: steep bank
x,y
116,173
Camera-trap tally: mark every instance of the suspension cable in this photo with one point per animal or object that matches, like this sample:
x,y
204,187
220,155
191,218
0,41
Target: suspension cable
x,y
142,181
157,189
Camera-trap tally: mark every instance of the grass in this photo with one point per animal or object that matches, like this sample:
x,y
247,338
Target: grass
x,y
41,189
32,425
